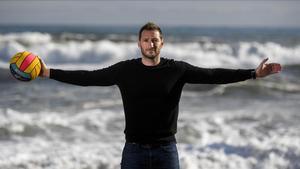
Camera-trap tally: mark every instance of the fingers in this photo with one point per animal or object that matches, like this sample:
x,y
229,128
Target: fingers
x,y
275,67
42,66
43,72
42,62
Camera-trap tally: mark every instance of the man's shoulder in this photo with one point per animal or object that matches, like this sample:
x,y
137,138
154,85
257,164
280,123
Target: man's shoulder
x,y
127,62
130,62
174,62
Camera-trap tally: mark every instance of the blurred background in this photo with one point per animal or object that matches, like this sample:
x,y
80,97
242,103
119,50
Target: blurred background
x,y
254,124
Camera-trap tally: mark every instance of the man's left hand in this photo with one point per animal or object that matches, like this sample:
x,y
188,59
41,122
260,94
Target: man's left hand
x,y
265,69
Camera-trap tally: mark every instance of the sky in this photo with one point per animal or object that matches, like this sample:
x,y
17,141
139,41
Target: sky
x,y
224,13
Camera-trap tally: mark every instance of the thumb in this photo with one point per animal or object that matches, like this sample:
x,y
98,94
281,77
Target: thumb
x,y
262,63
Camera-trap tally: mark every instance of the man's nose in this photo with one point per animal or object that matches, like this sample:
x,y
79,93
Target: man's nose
x,y
151,44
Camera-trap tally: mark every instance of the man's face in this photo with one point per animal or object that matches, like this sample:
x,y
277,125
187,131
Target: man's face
x,y
150,43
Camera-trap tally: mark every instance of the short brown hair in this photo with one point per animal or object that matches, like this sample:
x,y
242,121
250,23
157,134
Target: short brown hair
x,y
150,26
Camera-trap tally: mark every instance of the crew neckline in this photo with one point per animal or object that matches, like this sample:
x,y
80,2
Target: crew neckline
x,y
162,61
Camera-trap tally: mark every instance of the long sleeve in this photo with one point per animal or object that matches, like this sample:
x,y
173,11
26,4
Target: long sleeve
x,y
101,77
199,75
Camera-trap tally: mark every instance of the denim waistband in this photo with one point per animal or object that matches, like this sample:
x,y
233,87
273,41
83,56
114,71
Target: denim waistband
x,y
151,145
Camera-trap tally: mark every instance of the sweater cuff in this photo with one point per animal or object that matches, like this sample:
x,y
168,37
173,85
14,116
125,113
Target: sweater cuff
x,y
51,73
253,74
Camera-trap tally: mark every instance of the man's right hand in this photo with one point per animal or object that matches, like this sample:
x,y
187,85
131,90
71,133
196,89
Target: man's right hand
x,y
45,72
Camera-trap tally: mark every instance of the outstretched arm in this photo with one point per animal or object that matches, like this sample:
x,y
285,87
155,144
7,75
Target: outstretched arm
x,y
264,69
199,75
102,77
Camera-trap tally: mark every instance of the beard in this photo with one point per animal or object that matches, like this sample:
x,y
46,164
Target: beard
x,y
150,53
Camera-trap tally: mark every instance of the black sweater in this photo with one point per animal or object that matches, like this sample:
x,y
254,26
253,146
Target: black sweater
x,y
150,94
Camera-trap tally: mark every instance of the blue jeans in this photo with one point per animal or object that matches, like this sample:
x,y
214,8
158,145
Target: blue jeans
x,y
136,156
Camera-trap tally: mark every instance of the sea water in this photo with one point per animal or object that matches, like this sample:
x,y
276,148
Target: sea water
x,y
45,124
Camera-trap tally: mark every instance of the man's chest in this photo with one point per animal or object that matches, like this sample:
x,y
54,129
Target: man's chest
x,y
150,83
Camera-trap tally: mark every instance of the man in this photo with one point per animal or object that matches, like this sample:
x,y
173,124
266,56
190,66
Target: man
x,y
151,87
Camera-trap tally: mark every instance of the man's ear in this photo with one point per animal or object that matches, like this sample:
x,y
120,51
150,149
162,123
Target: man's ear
x,y
139,44
162,42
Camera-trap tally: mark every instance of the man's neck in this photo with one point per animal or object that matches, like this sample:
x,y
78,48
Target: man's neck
x,y
151,61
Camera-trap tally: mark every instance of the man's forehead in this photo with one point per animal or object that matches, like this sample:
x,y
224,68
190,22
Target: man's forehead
x,y
150,33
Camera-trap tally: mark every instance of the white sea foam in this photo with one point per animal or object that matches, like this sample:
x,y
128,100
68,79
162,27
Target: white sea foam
x,y
238,141
94,139
27,38
105,52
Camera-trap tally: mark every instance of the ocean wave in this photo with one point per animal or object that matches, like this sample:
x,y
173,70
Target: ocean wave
x,y
239,139
249,89
104,52
89,125
93,139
